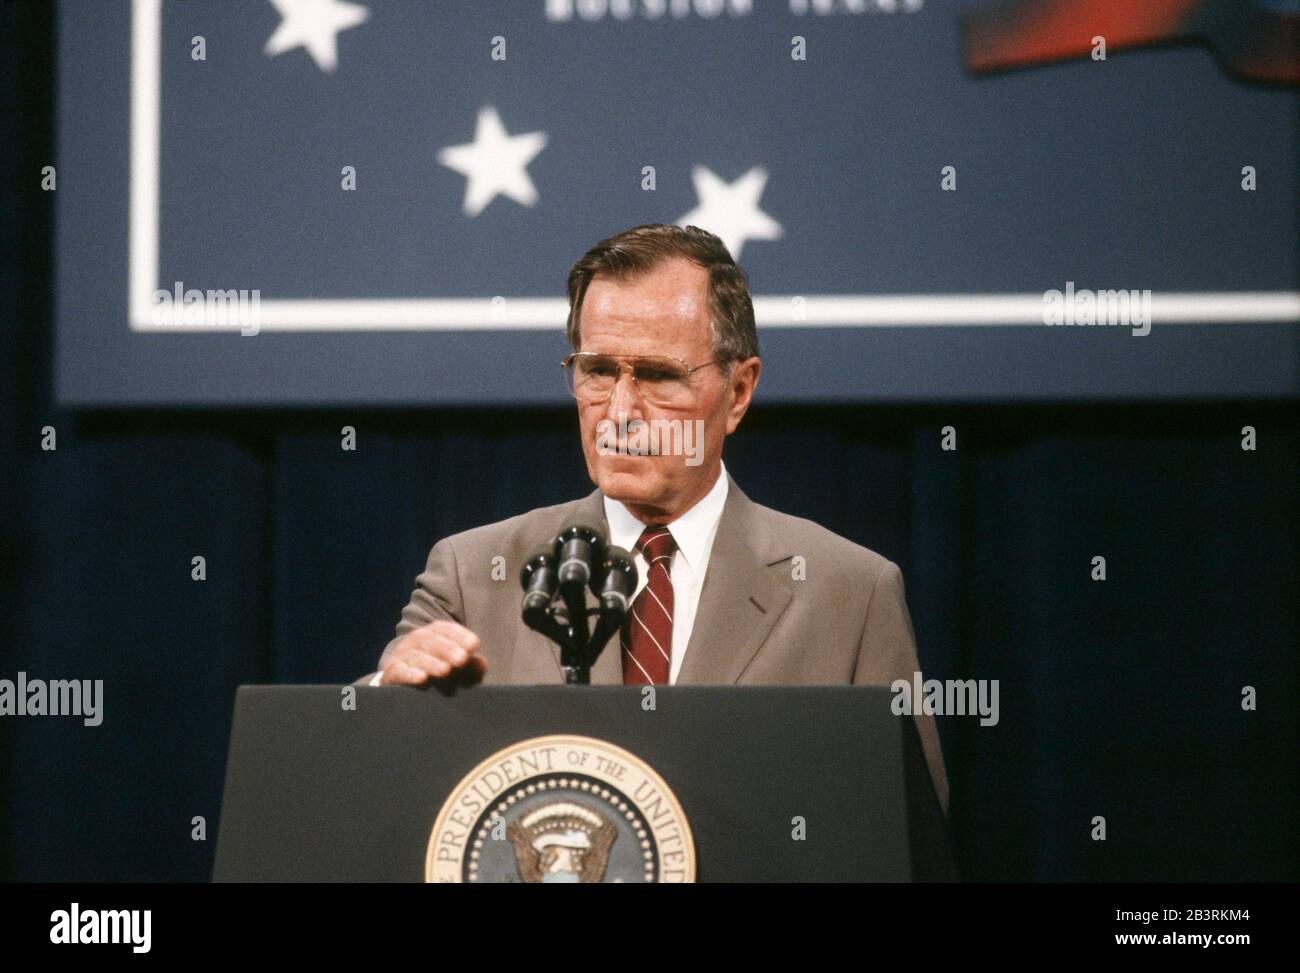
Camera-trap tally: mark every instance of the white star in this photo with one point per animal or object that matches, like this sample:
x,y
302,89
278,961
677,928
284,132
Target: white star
x,y
495,163
315,25
731,210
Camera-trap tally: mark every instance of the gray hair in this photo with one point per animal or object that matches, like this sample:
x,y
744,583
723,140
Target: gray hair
x,y
642,248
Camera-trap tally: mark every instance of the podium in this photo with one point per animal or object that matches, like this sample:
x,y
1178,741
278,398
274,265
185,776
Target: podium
x,y
586,784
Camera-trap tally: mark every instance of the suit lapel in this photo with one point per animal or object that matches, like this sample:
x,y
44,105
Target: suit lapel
x,y
740,602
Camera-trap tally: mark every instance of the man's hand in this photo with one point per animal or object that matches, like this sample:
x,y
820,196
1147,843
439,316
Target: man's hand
x,y
441,650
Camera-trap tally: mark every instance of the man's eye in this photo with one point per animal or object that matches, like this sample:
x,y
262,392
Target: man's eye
x,y
656,374
600,369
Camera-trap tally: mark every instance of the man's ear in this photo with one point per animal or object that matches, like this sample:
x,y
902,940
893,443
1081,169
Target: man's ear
x,y
743,381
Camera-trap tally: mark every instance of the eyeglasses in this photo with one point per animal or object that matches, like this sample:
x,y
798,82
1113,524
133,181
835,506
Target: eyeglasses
x,y
662,380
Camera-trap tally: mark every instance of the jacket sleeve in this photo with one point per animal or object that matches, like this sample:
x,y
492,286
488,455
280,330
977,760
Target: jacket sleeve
x,y
437,595
888,652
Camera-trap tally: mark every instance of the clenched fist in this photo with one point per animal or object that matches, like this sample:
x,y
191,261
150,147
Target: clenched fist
x,y
441,650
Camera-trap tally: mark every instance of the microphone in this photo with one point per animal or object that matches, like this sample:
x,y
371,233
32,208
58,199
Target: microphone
x,y
580,549
540,580
613,586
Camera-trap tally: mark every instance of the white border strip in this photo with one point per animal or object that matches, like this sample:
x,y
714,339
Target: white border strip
x,y
146,91
488,314
906,311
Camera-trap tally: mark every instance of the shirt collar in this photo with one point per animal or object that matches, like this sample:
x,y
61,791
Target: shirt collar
x,y
693,531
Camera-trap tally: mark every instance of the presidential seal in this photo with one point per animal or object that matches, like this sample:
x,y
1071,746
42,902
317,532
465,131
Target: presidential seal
x,y
561,809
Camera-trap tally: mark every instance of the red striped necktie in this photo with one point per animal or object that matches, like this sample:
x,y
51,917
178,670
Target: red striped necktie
x,y
648,629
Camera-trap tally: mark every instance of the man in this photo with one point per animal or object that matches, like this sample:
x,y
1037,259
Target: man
x,y
662,326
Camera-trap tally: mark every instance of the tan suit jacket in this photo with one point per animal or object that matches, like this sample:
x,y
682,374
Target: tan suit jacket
x,y
845,623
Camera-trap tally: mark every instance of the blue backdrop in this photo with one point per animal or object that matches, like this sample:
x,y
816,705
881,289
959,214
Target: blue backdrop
x,y
824,175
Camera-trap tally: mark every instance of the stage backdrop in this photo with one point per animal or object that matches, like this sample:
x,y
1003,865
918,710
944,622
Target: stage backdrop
x,y
401,188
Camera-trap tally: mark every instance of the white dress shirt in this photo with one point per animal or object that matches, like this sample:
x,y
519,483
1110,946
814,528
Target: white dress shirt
x,y
694,532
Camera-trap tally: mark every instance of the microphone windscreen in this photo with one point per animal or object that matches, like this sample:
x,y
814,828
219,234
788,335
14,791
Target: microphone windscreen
x,y
616,553
542,554
579,527
619,568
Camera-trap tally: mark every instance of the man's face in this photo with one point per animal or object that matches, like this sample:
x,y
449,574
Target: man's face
x,y
663,312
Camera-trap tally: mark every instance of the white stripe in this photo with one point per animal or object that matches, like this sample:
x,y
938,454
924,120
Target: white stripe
x,y
142,227
939,310
638,664
661,604
874,311
652,637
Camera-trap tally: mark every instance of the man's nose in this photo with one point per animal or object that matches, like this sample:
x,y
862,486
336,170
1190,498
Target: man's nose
x,y
625,399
